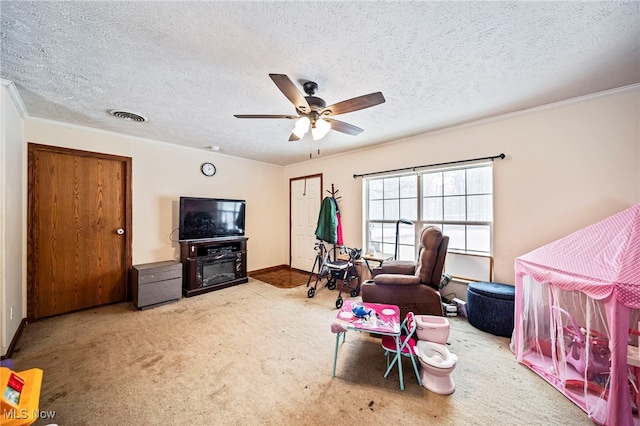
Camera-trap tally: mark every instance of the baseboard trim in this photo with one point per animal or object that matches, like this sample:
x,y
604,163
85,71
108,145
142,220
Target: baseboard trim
x,y
14,341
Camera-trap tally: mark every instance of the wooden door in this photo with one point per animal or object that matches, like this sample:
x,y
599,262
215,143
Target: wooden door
x,y
306,195
79,230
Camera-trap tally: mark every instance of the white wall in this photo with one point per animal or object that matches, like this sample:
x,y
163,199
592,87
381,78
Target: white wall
x,y
568,165
163,172
12,241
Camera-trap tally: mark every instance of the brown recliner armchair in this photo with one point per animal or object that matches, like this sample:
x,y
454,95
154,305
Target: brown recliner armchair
x,y
413,286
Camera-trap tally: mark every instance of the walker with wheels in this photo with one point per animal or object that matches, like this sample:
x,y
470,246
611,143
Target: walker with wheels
x,y
320,270
334,270
347,272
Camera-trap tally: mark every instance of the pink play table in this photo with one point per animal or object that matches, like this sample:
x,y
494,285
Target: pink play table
x,y
383,320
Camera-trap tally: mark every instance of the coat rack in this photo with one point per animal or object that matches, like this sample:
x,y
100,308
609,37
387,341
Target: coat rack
x,y
335,197
333,193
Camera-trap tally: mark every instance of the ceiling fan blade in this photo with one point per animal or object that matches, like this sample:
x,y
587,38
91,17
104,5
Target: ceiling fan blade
x,y
354,104
343,127
292,93
291,117
293,138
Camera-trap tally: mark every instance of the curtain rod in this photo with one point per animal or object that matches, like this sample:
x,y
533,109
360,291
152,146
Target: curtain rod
x,y
501,156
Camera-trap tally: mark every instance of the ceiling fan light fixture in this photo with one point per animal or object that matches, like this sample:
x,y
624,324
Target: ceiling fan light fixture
x,y
302,127
320,129
311,109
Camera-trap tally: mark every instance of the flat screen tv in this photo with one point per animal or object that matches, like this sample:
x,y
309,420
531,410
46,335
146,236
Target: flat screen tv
x,y
207,218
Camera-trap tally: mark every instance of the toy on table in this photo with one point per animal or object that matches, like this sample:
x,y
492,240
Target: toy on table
x,y
360,311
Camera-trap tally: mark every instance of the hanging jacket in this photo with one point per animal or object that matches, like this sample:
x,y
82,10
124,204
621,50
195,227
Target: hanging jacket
x,y
327,222
339,228
339,222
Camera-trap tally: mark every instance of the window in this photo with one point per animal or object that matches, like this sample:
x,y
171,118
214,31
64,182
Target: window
x,y
389,200
459,201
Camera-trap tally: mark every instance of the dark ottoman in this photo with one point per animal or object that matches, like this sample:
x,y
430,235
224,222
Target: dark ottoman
x,y
490,307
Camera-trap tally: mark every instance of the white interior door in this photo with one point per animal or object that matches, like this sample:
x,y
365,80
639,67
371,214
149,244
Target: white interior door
x,y
306,194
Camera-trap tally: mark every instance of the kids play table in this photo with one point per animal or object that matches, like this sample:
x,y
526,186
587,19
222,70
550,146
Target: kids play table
x,y
382,319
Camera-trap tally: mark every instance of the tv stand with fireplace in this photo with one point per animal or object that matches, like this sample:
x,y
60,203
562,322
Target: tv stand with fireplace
x,y
210,265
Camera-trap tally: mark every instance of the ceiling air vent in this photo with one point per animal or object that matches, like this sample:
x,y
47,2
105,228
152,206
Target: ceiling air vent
x,y
127,115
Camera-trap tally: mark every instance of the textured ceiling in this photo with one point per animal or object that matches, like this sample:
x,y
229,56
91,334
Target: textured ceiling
x,y
189,66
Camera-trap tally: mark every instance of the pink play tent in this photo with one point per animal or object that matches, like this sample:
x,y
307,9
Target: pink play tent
x,y
577,309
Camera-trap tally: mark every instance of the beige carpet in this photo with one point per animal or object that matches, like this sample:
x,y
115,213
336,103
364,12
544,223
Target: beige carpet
x,y
255,354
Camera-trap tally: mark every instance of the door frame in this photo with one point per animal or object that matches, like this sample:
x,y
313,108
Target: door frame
x,y
32,150
291,180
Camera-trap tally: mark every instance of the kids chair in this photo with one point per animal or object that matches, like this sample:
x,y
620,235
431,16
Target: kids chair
x,y
407,347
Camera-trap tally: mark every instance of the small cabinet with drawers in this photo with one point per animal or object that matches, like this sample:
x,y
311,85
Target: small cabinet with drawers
x,y
156,283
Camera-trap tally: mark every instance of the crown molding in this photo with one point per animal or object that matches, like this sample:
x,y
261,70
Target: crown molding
x,y
15,97
518,113
207,151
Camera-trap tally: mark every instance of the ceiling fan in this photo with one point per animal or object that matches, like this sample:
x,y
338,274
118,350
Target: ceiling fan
x,y
312,112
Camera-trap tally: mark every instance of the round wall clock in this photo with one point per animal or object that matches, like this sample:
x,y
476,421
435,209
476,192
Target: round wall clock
x,y
208,169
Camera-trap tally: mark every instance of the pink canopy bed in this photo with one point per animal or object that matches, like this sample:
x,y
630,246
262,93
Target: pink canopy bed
x,y
577,308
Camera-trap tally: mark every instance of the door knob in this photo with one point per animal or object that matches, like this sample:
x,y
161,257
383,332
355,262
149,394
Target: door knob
x,y
120,231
